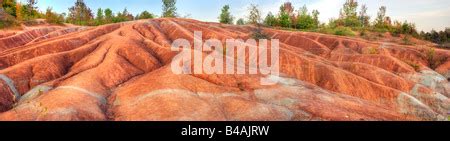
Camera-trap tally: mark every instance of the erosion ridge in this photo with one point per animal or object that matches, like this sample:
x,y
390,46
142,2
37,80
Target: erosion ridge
x,y
122,72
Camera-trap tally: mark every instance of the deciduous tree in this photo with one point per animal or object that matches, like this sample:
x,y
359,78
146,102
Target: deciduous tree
x,y
363,17
305,20
284,19
254,16
381,16
348,15
80,14
19,15
9,6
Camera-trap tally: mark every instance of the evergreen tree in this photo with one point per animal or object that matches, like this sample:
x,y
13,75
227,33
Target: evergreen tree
x,y
270,20
284,19
240,21
406,28
315,16
305,20
100,18
145,15
225,17
108,16
169,9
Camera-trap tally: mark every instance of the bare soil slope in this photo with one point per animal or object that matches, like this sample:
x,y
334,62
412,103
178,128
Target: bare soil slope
x,y
122,72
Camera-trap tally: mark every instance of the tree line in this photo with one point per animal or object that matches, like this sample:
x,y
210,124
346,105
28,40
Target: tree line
x,y
353,18
18,12
79,13
440,37
350,20
350,17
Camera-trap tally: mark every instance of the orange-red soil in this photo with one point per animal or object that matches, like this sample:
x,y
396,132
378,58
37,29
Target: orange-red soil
x,y
122,72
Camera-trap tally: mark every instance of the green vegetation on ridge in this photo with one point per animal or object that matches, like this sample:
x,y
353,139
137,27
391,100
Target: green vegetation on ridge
x,y
353,19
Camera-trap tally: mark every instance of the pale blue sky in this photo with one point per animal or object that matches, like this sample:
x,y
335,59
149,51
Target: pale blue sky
x,y
427,14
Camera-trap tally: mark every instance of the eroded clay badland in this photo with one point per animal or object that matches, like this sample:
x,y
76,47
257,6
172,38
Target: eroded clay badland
x,y
122,72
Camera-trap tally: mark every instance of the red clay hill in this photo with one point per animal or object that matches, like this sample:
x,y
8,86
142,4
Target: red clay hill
x,y
122,72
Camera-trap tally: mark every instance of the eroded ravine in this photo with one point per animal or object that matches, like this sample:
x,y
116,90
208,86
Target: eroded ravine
x,y
122,72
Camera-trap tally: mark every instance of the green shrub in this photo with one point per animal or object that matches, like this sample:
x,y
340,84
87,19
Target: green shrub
x,y
284,20
363,33
406,40
343,31
270,20
7,23
325,30
379,30
413,65
433,60
348,22
258,34
53,17
395,33
240,22
438,37
369,37
306,22
416,67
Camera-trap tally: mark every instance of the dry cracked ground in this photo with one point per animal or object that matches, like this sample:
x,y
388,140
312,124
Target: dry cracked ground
x,y
122,72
